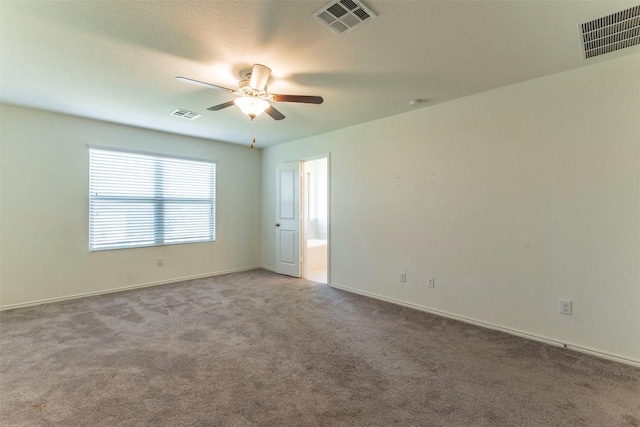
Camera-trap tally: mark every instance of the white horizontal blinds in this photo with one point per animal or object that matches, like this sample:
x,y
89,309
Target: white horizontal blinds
x,y
144,200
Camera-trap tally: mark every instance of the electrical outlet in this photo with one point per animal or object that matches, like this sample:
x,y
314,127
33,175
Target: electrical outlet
x,y
160,262
403,277
431,282
566,307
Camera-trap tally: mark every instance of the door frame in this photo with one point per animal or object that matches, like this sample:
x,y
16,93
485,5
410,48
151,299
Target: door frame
x,y
302,198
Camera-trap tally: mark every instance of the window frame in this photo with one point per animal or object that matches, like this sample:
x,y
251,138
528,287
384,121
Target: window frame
x,y
157,200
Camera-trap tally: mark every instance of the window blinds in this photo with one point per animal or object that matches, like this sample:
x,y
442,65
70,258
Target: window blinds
x,y
146,200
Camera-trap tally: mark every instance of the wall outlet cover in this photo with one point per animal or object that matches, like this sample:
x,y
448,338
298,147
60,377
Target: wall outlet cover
x,y
566,307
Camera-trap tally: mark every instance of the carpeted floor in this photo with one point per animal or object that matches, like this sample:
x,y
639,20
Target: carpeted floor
x,y
256,348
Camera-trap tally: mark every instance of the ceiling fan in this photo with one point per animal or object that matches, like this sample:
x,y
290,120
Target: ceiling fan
x,y
253,98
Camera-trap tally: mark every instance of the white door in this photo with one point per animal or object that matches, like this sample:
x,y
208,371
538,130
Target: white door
x,y
288,219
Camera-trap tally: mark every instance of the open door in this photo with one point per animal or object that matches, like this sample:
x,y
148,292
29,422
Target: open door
x,y
288,219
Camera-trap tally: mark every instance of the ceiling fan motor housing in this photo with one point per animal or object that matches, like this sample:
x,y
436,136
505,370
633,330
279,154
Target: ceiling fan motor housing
x,y
259,77
245,89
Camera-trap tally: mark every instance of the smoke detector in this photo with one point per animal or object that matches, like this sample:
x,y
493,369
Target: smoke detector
x,y
612,32
342,15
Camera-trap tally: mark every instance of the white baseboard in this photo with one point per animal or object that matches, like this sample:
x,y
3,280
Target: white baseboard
x,y
592,352
268,268
124,288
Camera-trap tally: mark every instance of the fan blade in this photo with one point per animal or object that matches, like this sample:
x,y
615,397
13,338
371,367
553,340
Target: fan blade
x,y
298,98
259,76
208,85
221,106
275,114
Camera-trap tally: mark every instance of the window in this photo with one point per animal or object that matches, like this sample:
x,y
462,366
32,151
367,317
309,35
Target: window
x,y
147,200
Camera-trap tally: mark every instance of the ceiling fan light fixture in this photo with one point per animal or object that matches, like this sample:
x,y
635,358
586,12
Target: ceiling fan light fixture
x,y
253,94
252,107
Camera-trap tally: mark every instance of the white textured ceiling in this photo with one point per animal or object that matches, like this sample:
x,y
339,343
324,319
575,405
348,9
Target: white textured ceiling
x,y
116,60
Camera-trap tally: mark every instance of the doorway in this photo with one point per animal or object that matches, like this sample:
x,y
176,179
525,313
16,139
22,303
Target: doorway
x,y
315,230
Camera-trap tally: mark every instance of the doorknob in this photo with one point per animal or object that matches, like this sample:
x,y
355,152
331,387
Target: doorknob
x,y
277,225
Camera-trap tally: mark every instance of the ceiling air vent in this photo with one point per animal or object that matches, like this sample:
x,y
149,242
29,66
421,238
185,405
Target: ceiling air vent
x,y
610,33
186,114
342,15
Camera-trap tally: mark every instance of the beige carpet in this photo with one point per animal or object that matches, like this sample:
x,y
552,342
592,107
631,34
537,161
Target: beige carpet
x,y
255,348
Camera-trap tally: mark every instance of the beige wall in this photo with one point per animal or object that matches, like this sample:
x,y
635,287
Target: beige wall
x,y
511,199
44,204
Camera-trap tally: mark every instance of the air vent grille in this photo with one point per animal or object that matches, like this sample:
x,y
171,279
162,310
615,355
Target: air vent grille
x,y
349,4
610,33
360,13
186,114
342,15
337,10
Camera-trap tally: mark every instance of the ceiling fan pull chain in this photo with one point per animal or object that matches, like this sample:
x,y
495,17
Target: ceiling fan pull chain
x,y
253,138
